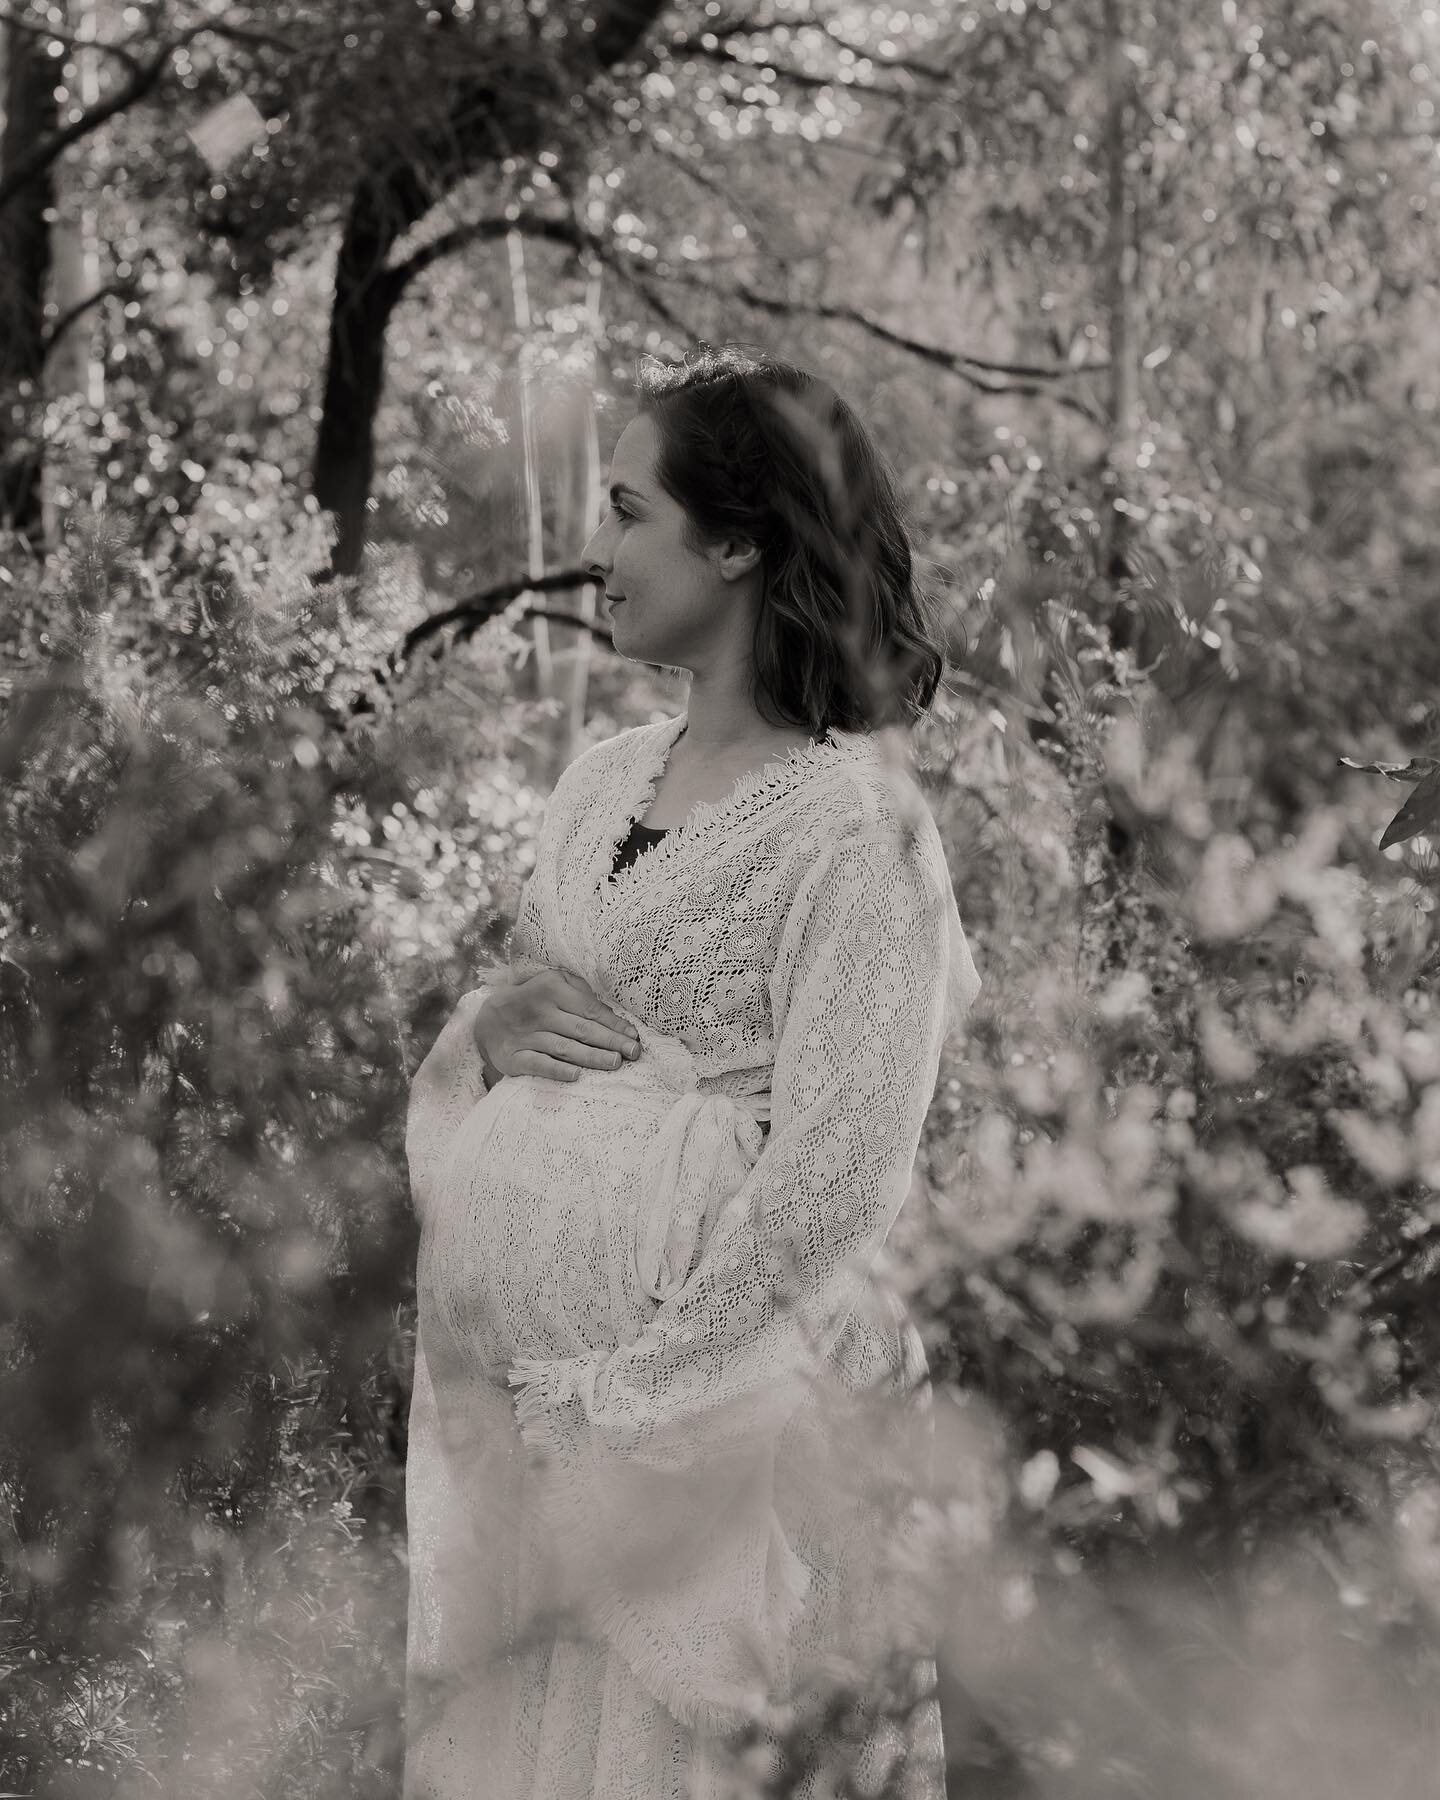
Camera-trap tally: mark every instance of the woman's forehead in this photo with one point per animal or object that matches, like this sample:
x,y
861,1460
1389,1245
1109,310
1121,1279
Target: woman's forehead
x,y
632,462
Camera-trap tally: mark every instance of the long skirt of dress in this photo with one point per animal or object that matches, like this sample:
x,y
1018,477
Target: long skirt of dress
x,y
509,1697
504,1705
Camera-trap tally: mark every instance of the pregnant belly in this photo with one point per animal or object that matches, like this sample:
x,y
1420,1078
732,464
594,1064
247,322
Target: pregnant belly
x,y
565,1212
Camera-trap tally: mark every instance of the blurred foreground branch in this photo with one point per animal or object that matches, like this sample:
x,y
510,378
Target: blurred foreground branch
x,y
467,616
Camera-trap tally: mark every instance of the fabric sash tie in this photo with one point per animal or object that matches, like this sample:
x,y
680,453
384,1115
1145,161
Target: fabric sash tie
x,y
704,1146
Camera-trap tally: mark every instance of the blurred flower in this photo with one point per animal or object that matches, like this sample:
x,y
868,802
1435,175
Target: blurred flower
x,y
1378,1145
1038,1479
1314,1225
1229,1057
1126,994
1232,894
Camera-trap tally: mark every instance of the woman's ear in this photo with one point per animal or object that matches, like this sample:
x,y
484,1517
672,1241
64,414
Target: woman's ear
x,y
735,557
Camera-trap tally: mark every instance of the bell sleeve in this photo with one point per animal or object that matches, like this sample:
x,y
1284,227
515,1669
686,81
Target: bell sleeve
x,y
655,1462
447,1084
451,1079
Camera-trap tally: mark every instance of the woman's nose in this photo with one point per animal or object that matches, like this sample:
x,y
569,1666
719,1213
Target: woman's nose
x,y
591,557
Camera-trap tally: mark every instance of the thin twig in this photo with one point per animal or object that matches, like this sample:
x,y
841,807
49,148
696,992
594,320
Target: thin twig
x,y
78,311
784,71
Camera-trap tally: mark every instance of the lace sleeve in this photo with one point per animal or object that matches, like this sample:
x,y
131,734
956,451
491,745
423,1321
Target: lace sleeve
x,y
452,1078
446,1085
655,1460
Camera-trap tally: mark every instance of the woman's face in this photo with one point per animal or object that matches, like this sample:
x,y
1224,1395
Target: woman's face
x,y
670,605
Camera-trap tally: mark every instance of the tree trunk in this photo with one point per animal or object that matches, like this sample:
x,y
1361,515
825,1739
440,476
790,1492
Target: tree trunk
x,y
1122,256
1127,627
72,367
365,297
487,124
30,115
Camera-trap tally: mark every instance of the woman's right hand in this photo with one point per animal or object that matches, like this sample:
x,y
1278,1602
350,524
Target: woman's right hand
x,y
550,1023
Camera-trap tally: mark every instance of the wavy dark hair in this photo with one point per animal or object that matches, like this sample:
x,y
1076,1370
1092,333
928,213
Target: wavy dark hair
x,y
752,447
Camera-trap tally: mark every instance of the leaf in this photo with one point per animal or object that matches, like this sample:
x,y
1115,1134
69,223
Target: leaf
x,y
1419,813
1111,1479
1414,770
1199,585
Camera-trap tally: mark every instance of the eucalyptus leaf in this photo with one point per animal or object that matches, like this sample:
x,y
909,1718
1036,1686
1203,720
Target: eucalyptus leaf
x,y
1419,813
1415,770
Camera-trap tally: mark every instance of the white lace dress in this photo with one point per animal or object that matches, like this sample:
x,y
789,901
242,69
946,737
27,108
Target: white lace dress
x,y
645,1500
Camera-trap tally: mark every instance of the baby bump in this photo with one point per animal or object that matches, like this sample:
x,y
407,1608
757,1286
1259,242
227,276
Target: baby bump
x,y
566,1211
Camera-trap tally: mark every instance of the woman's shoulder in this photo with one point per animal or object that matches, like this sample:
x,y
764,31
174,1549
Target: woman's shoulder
x,y
871,790
602,758
867,811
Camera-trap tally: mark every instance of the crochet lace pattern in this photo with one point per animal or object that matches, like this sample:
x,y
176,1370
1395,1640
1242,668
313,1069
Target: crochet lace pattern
x,y
638,1510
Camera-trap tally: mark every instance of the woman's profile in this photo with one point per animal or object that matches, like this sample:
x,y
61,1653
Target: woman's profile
x,y
655,1155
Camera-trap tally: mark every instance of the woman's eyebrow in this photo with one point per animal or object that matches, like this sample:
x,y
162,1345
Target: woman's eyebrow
x,y
617,488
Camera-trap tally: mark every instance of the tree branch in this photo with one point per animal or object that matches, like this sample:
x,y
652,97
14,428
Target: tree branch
x,y
957,360
853,146
469,615
906,64
600,633
29,168
693,169
78,311
1029,379
145,78
625,269
716,52
557,230
1023,378
71,41
246,34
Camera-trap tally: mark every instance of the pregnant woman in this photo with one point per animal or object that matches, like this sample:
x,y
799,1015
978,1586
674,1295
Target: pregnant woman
x,y
655,1155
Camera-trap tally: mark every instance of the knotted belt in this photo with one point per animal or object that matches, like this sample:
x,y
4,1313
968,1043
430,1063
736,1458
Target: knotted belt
x,y
705,1144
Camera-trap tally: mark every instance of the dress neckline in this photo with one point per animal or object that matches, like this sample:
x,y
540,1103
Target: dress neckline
x,y
652,762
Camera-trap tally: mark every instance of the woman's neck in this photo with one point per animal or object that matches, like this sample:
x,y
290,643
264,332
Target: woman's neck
x,y
725,731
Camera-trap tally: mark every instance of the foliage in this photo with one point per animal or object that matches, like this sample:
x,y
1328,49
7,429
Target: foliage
x,y
205,1055
1184,1241
1179,1239
1176,1255
1175,1242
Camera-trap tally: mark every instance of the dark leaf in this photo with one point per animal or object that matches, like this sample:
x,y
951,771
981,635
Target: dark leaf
x,y
1419,813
